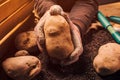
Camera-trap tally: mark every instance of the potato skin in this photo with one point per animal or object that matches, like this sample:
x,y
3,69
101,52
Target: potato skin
x,y
58,38
22,67
26,41
108,59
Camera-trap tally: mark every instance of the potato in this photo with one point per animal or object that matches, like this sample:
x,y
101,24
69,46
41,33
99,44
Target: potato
x,y
21,53
108,59
59,44
26,41
22,67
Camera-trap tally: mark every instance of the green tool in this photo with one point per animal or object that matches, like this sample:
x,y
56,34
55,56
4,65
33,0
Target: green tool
x,y
115,19
106,24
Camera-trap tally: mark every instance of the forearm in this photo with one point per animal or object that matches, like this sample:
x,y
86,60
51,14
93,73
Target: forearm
x,y
82,13
41,6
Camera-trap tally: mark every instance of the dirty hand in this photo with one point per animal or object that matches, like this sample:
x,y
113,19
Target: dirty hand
x,y
76,36
55,9
39,30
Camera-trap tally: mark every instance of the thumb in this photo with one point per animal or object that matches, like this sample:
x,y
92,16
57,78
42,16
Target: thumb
x,y
77,42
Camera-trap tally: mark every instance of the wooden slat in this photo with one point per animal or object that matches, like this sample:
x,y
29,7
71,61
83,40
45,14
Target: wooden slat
x,y
9,23
7,43
7,7
12,31
101,2
112,9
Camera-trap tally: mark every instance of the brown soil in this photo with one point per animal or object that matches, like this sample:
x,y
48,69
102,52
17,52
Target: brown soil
x,y
82,69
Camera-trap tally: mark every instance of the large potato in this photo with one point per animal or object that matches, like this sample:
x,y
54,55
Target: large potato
x,y
58,38
26,41
108,59
22,67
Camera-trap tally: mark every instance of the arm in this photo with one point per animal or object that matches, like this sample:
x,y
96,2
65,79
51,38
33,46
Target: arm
x,y
41,6
82,13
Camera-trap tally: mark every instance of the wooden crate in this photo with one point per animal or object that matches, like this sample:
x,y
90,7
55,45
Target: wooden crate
x,y
18,13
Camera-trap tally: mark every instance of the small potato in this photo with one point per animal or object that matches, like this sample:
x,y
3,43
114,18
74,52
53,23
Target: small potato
x,y
22,67
21,53
26,41
58,37
108,59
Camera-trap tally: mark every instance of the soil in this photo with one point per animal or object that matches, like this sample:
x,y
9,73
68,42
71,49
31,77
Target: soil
x,y
82,69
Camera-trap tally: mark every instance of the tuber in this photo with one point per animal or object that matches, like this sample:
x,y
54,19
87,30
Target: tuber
x,y
21,53
26,41
22,67
58,37
108,59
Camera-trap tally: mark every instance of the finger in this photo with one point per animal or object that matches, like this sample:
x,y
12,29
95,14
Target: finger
x,y
73,60
76,36
39,30
77,43
65,15
56,10
68,62
39,46
76,53
116,27
39,27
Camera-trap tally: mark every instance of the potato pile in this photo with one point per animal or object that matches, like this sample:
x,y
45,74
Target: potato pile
x,y
26,41
108,59
22,66
58,37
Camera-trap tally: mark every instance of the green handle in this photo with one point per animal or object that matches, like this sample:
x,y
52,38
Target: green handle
x,y
115,19
103,20
115,34
106,24
116,37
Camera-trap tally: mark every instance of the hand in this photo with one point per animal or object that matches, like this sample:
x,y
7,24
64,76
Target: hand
x,y
39,30
54,10
76,36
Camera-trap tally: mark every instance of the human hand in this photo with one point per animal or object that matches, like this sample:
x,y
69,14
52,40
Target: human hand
x,y
39,31
54,10
76,36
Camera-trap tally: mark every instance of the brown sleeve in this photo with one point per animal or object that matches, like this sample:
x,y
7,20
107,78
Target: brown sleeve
x,y
41,6
83,12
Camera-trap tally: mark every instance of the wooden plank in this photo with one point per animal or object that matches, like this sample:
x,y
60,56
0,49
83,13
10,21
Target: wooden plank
x,y
7,43
12,31
7,7
101,2
112,9
1,1
9,23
